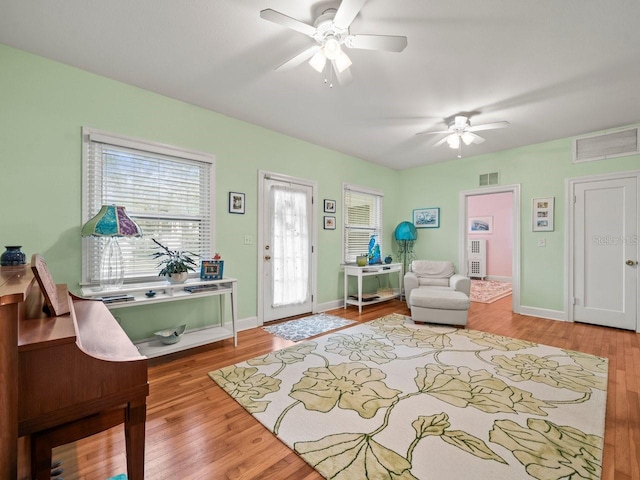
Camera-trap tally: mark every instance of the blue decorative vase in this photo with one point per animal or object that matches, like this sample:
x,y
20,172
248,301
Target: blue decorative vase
x,y
13,256
388,259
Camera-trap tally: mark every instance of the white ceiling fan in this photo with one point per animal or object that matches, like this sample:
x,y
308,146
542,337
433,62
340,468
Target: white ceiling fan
x,y
460,131
331,32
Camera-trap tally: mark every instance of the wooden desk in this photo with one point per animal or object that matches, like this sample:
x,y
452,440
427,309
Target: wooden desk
x,y
15,285
71,375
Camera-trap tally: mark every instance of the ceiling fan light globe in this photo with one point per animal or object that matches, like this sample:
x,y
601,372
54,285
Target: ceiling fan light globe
x,y
342,62
318,61
332,48
453,141
467,138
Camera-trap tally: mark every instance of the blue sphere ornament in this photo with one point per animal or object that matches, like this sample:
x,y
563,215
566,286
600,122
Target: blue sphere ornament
x,y
388,259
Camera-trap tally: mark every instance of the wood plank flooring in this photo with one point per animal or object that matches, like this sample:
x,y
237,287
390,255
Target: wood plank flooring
x,y
196,431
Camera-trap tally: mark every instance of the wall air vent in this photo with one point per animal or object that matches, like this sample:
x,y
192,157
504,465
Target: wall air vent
x,y
606,145
487,179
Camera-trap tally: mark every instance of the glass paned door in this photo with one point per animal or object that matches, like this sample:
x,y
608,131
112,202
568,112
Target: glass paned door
x,y
287,249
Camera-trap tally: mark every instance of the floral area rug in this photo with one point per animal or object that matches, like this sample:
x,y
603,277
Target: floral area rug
x,y
307,327
392,400
488,291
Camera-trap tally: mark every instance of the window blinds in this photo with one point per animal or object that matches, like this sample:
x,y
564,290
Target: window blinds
x,y
170,198
362,219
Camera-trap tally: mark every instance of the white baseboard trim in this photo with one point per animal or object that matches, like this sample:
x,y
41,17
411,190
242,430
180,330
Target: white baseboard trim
x,y
543,313
323,307
247,323
498,278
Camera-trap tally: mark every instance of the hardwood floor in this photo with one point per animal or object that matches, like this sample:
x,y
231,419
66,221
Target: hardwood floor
x,y
196,431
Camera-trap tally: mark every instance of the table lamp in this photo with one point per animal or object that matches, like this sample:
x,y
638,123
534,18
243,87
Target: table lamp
x,y
111,221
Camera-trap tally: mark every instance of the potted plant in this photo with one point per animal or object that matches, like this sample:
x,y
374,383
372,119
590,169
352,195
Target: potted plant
x,y
175,264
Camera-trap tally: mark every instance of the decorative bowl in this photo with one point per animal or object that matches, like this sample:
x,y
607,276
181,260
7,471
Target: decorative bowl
x,y
171,336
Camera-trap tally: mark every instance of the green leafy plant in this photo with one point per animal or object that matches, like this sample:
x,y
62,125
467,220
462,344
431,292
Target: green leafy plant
x,y
173,261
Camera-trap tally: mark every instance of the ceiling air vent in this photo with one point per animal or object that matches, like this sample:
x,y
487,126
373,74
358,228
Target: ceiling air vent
x,y
607,145
487,179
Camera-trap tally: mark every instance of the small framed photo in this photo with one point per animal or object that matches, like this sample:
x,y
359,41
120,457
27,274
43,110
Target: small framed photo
x,y
330,223
236,202
542,214
211,269
426,217
480,225
329,206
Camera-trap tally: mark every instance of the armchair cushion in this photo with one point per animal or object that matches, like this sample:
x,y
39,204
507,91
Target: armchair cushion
x,y
432,269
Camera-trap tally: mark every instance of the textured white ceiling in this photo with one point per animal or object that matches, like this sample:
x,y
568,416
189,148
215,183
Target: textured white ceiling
x,y
551,68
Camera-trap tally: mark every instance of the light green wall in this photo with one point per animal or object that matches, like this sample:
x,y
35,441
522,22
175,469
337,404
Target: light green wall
x,y
541,171
44,104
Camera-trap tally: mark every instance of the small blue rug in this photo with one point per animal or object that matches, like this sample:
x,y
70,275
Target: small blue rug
x,y
122,476
306,327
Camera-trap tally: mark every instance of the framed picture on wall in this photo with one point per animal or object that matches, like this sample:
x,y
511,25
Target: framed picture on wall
x,y
236,202
426,217
481,225
329,206
330,223
542,214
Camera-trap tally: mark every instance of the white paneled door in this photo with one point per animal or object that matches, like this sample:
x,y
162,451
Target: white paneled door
x,y
605,263
287,267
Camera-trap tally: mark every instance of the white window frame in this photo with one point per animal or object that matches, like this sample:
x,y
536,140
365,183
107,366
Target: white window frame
x,y
350,257
90,136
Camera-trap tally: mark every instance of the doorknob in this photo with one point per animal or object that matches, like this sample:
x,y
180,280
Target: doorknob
x,y
631,263
267,257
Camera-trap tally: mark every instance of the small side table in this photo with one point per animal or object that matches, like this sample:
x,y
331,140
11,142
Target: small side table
x,y
368,270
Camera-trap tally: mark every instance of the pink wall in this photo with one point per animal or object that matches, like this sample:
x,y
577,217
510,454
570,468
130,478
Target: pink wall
x,y
500,242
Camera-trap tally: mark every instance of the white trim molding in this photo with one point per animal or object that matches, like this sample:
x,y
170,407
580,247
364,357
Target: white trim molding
x,y
543,313
462,243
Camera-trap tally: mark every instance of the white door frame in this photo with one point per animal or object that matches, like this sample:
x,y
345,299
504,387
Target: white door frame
x,y
570,184
265,175
462,218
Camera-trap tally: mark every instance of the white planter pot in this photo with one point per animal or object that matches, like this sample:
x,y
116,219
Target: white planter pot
x,y
178,277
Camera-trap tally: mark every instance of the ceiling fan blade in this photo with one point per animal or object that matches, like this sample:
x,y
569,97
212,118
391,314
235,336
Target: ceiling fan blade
x,y
347,12
476,138
286,21
432,133
441,141
487,126
300,58
387,43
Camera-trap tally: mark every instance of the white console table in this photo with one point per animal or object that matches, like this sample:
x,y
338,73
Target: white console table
x,y
367,270
170,292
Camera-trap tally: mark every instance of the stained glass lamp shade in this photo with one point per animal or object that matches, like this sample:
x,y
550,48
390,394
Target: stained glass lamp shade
x,y
111,221
406,235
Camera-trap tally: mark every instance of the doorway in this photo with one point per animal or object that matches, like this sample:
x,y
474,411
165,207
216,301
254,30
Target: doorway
x,y
603,251
463,243
286,239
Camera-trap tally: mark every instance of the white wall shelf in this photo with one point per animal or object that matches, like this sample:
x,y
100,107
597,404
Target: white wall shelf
x,y
170,292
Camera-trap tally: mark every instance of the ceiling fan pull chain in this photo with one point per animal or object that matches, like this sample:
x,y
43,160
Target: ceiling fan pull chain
x,y
328,78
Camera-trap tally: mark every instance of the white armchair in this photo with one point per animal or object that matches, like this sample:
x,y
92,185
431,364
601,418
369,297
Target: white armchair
x,y
435,293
